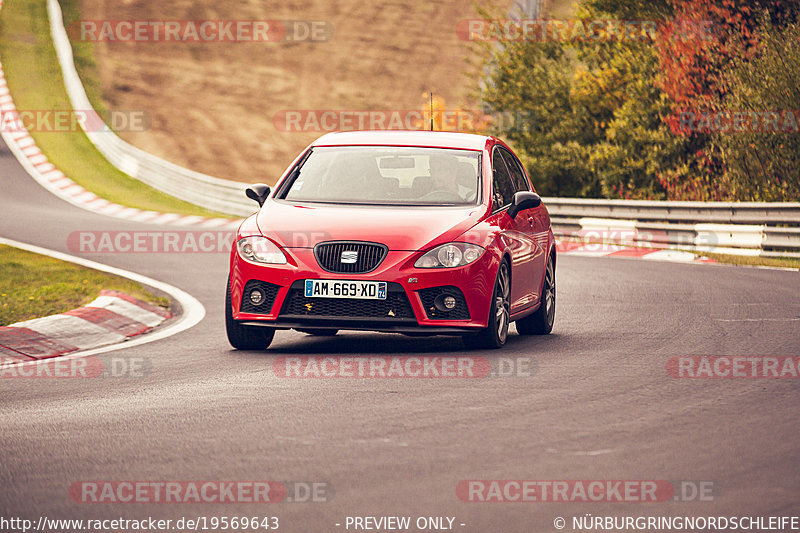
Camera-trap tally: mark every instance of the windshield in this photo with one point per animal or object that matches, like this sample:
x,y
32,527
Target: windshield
x,y
387,175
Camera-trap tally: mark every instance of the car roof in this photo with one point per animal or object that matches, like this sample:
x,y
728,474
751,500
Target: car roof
x,y
435,139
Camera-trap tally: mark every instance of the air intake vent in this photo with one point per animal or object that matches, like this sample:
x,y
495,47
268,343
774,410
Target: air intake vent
x,y
263,304
435,312
350,257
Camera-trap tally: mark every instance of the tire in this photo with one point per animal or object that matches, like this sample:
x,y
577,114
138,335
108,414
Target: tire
x,y
243,337
541,322
319,332
495,333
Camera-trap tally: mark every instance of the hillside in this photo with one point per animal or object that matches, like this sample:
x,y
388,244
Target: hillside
x,y
213,105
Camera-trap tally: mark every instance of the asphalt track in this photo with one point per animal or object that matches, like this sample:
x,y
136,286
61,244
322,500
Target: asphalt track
x,y
598,404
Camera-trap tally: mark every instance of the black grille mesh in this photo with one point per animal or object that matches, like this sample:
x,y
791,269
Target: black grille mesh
x,y
270,292
395,307
459,312
370,255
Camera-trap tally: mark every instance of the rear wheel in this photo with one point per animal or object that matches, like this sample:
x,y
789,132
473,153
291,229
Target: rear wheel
x,y
496,331
319,332
245,337
541,322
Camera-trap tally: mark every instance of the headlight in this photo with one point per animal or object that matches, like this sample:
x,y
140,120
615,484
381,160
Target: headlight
x,y
454,254
260,250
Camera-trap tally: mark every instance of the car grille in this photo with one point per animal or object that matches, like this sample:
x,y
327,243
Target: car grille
x,y
428,297
370,255
395,307
270,292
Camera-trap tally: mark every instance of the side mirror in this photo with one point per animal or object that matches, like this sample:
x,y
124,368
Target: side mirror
x,y
258,192
523,200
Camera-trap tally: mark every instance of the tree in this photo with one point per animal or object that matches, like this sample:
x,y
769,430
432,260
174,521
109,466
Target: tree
x,y
763,161
606,117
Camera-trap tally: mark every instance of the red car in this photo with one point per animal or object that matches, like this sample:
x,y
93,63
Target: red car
x,y
422,233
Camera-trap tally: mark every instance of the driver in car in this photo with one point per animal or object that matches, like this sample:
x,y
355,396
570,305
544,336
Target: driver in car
x,y
444,174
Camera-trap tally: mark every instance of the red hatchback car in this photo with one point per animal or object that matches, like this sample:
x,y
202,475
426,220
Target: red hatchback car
x,y
422,233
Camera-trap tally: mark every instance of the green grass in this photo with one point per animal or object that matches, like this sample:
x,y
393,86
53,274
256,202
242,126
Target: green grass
x,y
33,286
83,55
745,260
35,81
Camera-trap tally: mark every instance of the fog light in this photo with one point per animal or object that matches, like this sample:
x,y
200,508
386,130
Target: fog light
x,y
256,297
445,303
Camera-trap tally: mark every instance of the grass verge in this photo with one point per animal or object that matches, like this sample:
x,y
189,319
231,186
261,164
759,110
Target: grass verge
x,y
33,286
744,260
35,81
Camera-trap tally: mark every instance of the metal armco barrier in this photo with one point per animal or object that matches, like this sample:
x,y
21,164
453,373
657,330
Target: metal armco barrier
x,y
710,212
743,228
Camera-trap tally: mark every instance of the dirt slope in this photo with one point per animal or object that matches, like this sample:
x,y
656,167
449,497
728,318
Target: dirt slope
x,y
213,104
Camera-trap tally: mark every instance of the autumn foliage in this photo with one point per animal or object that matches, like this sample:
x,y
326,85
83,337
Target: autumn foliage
x,y
613,115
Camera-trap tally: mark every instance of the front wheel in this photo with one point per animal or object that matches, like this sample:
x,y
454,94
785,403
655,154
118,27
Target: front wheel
x,y
541,322
494,335
244,337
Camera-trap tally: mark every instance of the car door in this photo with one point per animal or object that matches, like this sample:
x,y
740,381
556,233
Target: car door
x,y
516,233
533,222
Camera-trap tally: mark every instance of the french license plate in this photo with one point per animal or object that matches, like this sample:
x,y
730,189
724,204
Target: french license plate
x,y
357,290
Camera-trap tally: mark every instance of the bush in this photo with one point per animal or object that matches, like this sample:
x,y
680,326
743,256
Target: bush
x,y
603,114
765,165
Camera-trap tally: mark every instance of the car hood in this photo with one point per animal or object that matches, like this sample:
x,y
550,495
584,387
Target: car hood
x,y
400,228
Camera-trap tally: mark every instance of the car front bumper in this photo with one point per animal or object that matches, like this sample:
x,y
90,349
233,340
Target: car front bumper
x,y
408,307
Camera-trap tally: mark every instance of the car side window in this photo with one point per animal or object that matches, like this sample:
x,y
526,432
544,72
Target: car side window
x,y
517,175
502,184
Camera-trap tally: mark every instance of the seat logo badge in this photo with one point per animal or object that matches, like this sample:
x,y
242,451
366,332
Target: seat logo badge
x,y
349,257
309,306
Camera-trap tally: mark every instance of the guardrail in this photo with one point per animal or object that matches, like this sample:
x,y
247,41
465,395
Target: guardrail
x,y
750,228
710,212
224,196
742,228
